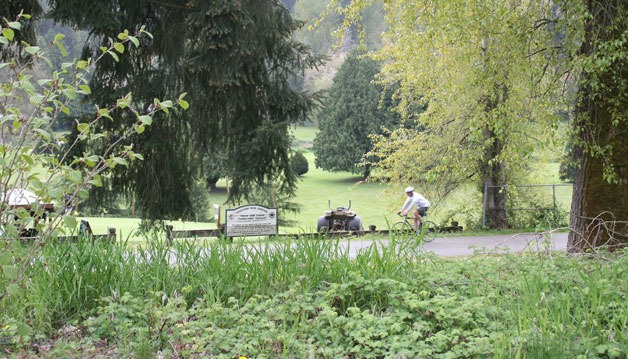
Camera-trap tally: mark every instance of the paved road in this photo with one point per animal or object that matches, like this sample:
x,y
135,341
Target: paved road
x,y
464,246
453,246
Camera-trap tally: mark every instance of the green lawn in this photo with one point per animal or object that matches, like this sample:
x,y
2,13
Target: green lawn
x,y
374,203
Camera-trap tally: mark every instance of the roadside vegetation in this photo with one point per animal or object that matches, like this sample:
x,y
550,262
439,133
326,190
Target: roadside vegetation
x,y
305,298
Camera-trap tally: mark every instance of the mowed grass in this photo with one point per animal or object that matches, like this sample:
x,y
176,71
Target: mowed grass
x,y
375,203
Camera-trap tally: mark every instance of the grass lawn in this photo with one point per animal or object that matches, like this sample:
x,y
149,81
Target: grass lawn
x,y
375,203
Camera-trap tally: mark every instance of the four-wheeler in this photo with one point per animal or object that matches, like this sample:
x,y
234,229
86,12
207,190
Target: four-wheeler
x,y
339,219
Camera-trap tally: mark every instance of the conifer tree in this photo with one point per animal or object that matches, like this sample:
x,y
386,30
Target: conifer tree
x,y
235,61
356,108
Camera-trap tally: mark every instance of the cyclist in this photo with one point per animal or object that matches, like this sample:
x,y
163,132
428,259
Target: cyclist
x,y
415,199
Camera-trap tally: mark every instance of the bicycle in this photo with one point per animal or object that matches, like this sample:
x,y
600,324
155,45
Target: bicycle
x,y
427,230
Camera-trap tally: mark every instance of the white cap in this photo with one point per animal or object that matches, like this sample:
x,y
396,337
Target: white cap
x,y
409,189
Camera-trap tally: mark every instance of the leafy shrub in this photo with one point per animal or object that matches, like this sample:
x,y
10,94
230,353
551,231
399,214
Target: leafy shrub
x,y
299,163
30,108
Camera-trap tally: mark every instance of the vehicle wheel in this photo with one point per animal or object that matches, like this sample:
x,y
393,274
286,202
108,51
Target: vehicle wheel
x,y
322,225
355,224
402,229
429,230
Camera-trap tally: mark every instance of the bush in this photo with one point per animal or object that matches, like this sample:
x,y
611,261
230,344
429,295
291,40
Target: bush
x,y
299,163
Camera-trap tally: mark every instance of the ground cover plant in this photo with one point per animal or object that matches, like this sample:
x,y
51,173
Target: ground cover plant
x,y
306,298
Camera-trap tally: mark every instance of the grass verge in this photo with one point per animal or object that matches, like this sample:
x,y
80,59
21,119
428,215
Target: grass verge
x,y
306,298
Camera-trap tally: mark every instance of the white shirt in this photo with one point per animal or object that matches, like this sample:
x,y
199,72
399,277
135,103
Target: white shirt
x,y
417,200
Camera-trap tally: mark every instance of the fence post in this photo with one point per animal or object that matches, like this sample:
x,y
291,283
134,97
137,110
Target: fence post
x,y
112,234
484,205
169,228
554,208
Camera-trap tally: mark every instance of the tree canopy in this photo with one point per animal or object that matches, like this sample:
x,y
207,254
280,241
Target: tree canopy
x,y
235,59
482,70
356,108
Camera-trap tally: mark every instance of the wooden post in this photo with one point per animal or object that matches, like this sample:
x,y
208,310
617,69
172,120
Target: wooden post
x,y
169,234
112,234
217,215
133,204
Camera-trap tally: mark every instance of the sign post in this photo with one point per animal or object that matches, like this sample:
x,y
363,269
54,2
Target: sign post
x,y
251,220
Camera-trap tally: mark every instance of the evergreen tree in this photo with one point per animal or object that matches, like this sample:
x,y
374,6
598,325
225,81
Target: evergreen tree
x,y
356,108
235,60
9,9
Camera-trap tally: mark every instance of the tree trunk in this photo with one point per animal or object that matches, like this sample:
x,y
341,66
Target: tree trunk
x,y
599,210
493,169
211,183
495,178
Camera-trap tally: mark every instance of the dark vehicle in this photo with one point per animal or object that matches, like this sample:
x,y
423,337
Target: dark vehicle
x,y
339,219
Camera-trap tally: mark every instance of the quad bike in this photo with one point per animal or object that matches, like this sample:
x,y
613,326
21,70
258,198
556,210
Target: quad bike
x,y
339,219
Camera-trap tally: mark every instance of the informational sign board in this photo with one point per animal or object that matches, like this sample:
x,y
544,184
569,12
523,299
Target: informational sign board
x,y
251,220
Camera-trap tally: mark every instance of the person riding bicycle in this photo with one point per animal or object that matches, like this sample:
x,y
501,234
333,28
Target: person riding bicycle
x,y
415,199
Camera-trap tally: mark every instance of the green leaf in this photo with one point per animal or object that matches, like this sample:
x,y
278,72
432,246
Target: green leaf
x,y
36,99
69,93
93,159
58,37
8,33
32,50
184,104
15,25
84,89
120,161
96,181
82,127
103,112
145,119
114,55
123,35
70,222
44,134
82,64
62,49
119,47
135,41
75,176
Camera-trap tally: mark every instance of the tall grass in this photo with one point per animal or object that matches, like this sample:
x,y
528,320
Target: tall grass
x,y
391,299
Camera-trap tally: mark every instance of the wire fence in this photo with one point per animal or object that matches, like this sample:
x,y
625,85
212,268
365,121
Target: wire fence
x,y
535,196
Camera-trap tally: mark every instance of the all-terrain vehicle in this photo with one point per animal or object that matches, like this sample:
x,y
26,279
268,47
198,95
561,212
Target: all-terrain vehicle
x,y
339,219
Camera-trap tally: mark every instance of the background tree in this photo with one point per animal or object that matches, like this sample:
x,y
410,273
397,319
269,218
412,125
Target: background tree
x,y
236,60
482,70
599,210
9,11
356,108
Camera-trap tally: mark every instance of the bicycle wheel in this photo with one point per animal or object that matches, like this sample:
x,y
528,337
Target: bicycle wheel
x,y
429,230
402,229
